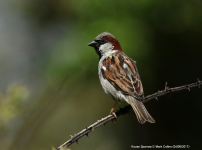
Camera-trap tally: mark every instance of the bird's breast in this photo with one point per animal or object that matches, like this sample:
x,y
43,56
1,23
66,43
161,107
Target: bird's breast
x,y
107,86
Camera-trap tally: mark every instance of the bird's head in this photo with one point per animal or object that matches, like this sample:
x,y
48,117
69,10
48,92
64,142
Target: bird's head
x,y
105,44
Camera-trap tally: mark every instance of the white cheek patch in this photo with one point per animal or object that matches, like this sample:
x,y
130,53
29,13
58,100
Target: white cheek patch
x,y
106,46
103,67
107,49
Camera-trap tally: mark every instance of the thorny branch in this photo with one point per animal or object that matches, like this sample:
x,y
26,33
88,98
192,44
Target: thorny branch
x,y
125,110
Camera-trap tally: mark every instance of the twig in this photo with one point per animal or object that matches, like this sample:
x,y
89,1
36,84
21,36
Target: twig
x,y
125,110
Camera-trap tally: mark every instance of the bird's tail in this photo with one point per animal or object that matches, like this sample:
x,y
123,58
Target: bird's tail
x,y
140,110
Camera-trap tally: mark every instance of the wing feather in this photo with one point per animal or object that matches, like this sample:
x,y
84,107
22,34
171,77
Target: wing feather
x,y
122,73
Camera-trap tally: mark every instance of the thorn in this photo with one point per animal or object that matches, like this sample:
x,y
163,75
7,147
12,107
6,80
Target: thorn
x,y
77,142
166,87
71,136
156,98
98,120
198,82
86,128
188,87
114,120
87,135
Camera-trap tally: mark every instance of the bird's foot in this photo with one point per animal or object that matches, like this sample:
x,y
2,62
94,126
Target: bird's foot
x,y
114,114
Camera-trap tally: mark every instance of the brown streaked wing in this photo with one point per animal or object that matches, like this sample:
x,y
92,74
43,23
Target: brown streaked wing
x,y
129,84
136,81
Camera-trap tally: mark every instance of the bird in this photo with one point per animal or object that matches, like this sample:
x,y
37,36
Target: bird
x,y
119,76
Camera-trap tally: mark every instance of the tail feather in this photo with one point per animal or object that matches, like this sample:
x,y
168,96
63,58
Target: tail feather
x,y
140,111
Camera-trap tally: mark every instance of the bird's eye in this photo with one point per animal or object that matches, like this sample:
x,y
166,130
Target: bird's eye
x,y
102,41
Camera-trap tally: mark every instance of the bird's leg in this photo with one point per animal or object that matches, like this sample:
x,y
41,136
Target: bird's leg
x,y
112,111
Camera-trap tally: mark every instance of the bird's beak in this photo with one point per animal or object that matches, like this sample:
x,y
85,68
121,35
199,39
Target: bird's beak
x,y
93,44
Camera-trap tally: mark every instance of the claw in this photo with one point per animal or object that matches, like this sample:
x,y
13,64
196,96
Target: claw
x,y
113,113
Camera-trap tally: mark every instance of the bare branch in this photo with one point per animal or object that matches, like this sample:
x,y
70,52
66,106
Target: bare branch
x,y
125,110
171,90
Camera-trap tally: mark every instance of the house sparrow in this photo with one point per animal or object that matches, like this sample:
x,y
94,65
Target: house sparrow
x,y
119,75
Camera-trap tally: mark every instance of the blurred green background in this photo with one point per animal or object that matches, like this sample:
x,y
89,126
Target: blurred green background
x,y
49,79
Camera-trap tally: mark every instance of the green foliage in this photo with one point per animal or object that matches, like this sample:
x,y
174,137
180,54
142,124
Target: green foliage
x,y
12,104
